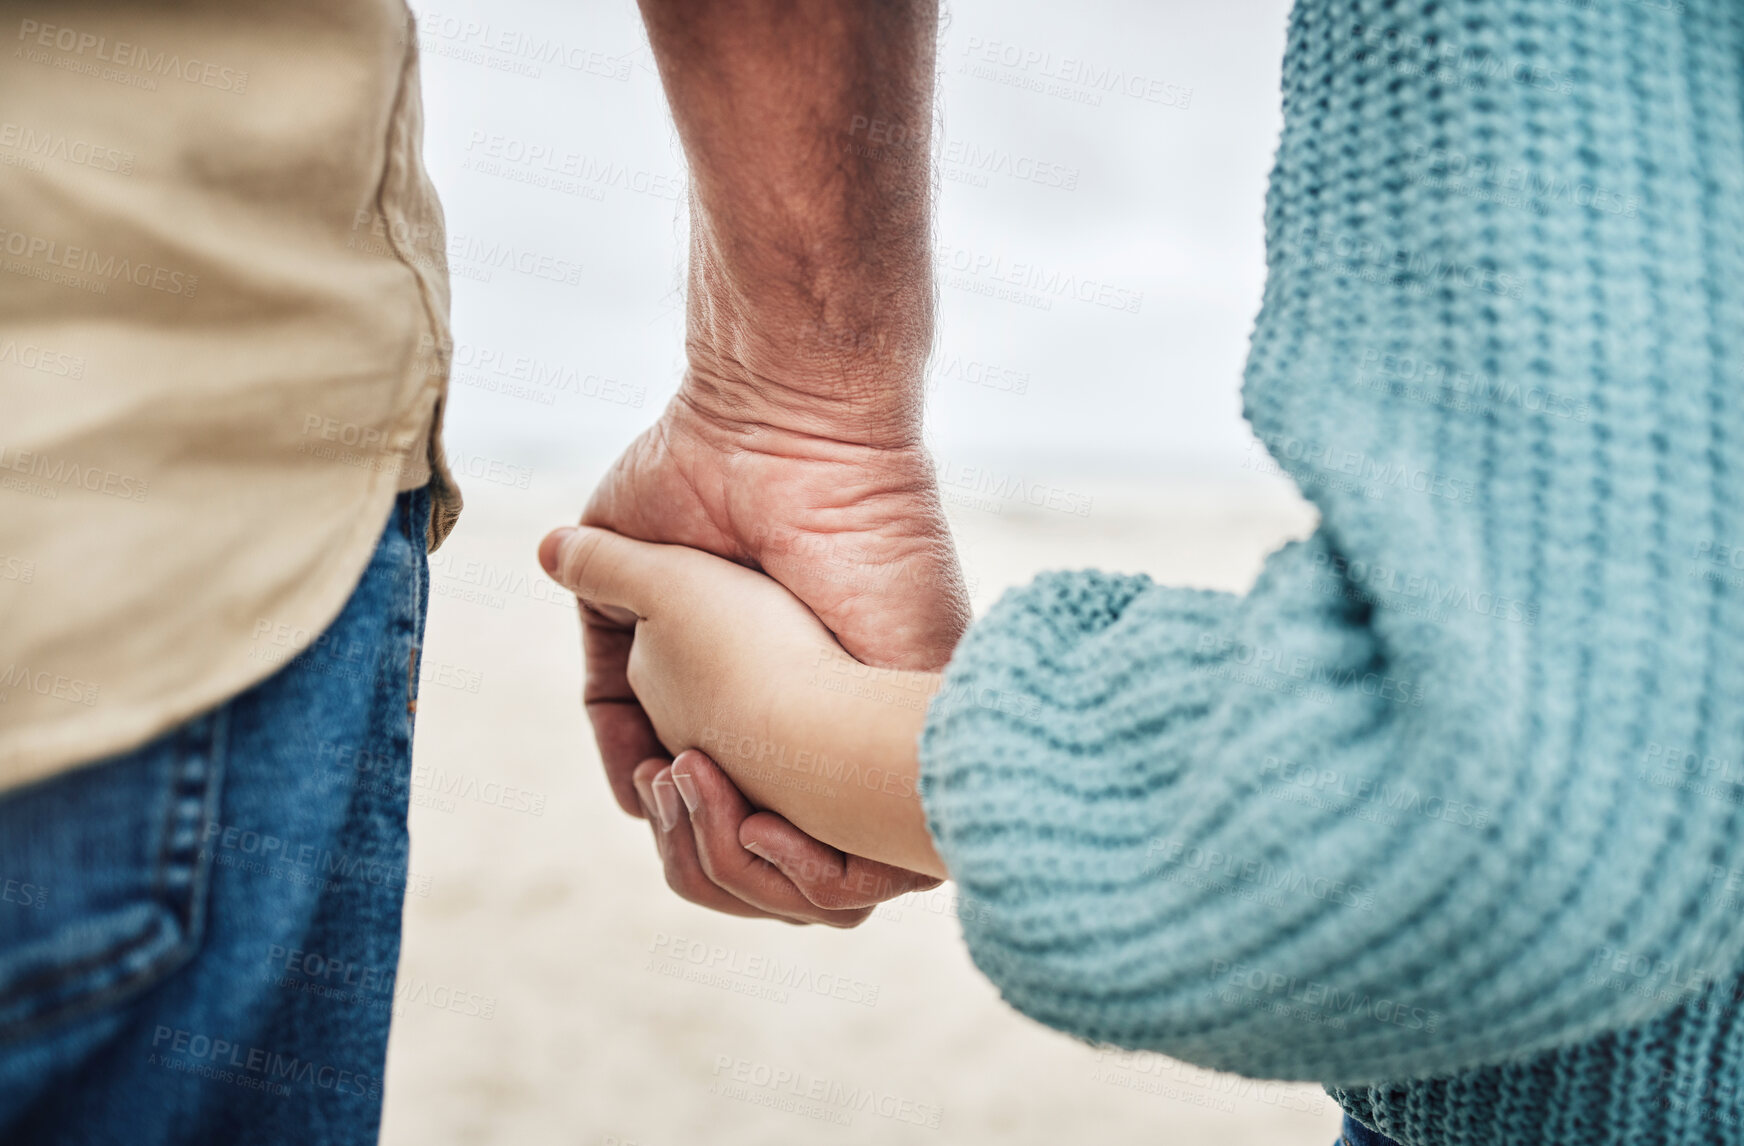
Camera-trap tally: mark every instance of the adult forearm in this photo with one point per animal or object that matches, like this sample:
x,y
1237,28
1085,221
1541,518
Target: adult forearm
x,y
807,130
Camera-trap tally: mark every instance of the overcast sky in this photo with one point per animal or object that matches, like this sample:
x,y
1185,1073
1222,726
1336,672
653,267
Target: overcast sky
x,y
1120,149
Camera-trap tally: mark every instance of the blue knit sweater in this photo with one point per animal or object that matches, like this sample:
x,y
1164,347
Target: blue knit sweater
x,y
1445,812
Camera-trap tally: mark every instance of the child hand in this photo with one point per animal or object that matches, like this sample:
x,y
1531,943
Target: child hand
x,y
727,661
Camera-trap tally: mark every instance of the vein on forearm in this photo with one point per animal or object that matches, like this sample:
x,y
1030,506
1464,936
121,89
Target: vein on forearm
x,y
810,247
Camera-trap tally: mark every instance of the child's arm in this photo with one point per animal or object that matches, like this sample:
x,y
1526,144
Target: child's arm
x,y
727,661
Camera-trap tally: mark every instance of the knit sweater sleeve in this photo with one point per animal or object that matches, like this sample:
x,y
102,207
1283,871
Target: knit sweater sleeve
x,y
1456,780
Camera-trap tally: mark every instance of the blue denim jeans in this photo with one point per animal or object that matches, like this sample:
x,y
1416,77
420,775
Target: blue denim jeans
x,y
198,938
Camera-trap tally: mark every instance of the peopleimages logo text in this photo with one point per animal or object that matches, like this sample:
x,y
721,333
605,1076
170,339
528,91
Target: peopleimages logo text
x,y
134,57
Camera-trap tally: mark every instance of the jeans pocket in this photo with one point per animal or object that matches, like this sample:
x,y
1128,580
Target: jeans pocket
x,y
103,880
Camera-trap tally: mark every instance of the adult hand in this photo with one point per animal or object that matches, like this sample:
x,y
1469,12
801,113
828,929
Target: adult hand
x,y
854,531
794,443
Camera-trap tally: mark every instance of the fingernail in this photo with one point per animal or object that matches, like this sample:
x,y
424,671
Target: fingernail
x,y
687,788
666,799
552,546
757,850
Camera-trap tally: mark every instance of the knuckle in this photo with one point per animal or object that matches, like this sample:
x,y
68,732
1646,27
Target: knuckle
x,y
705,865
689,884
713,859
578,564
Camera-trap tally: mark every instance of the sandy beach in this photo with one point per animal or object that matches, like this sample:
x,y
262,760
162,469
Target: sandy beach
x,y
553,991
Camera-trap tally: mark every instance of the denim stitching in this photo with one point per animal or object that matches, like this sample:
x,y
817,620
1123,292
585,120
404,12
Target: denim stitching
x,y
415,612
211,792
201,744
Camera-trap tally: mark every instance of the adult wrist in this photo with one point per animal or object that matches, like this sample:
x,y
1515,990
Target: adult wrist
x,y
868,410
844,360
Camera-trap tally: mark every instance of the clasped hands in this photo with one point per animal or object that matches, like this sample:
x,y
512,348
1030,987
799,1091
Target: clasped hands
x,y
764,612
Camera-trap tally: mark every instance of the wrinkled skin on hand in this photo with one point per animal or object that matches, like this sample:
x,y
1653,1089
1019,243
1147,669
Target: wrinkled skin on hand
x,y
854,531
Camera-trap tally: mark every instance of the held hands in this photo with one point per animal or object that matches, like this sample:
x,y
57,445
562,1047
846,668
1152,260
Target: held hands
x,y
793,445
725,658
850,522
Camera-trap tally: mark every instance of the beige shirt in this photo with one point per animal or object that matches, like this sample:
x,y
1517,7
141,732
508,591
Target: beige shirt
x,y
223,348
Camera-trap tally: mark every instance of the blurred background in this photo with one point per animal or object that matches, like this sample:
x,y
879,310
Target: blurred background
x,y
551,989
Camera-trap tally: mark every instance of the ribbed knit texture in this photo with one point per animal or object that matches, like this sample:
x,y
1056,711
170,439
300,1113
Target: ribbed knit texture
x,y
1422,805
